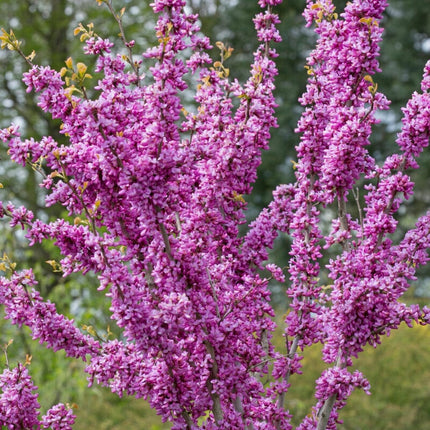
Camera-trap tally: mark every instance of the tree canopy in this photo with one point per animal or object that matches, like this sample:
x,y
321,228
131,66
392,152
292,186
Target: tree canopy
x,y
146,167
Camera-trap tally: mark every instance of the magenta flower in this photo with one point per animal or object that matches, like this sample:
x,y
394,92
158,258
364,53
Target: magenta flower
x,y
19,407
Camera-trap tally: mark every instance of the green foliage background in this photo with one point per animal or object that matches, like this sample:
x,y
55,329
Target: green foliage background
x,y
399,370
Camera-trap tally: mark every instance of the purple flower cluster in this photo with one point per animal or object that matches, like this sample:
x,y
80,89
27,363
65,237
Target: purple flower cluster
x,y
59,417
334,382
19,407
24,306
156,194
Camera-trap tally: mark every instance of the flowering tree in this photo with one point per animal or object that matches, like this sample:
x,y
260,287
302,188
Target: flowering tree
x,y
155,193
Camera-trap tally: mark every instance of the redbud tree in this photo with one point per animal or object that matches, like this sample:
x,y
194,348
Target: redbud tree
x,y
154,187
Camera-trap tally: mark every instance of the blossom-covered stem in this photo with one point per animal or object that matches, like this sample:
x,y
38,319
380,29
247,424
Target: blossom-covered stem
x,y
336,126
324,412
128,44
216,401
24,306
304,267
291,352
343,218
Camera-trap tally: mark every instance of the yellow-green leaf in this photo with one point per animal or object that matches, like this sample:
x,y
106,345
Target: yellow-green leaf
x,y
69,63
82,68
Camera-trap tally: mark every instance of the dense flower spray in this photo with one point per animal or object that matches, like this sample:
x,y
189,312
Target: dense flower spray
x,y
156,196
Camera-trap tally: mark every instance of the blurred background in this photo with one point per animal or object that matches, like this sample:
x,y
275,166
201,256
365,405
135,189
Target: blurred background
x,y
399,370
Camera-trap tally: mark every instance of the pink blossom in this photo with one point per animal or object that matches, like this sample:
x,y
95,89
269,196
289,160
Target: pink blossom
x,y
59,417
19,407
